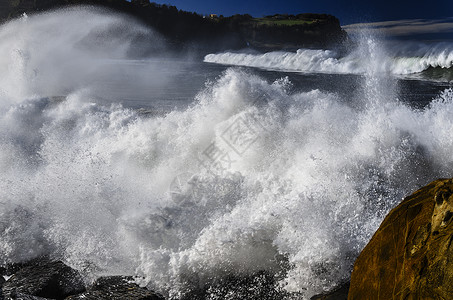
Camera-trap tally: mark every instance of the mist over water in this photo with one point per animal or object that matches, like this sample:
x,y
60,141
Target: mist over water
x,y
250,177
54,54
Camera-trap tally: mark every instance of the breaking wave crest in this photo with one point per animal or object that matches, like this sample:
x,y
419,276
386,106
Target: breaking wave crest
x,y
251,177
400,60
95,185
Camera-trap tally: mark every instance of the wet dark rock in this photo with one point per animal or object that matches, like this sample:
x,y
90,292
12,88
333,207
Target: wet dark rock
x,y
116,288
20,296
340,293
13,268
259,286
44,279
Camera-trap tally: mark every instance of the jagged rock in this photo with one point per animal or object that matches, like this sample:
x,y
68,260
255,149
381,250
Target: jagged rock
x,y
411,254
116,288
340,293
13,268
45,279
20,296
258,286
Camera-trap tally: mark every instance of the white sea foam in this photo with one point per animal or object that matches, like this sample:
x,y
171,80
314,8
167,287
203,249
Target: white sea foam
x,y
400,61
308,183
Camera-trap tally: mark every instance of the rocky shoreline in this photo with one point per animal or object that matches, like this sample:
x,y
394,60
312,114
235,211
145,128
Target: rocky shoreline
x,y
409,257
43,279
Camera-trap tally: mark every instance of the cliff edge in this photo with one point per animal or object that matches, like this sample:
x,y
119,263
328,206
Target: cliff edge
x,y
188,30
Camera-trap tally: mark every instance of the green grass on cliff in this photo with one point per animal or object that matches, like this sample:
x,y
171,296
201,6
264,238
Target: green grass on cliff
x,y
272,22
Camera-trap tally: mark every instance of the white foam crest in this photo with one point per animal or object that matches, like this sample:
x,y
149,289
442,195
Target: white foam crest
x,y
337,172
93,184
303,60
420,57
400,60
251,177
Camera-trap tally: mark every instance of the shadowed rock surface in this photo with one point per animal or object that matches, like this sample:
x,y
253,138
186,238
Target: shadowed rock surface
x,y
116,288
259,286
44,279
411,254
340,293
20,296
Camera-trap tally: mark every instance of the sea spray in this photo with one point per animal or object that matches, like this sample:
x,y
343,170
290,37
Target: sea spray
x,y
313,186
53,54
287,182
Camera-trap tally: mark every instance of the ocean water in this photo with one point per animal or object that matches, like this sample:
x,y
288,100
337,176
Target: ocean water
x,y
184,171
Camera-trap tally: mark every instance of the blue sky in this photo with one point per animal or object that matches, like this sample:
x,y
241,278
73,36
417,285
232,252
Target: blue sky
x,y
348,11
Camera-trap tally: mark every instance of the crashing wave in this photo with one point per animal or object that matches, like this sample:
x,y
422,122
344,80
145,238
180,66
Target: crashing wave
x,y
250,177
409,61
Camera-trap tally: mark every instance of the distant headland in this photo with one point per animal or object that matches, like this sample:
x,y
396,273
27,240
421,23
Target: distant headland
x,y
188,30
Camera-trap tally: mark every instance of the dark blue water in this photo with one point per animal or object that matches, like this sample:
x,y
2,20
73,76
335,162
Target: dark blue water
x,y
175,82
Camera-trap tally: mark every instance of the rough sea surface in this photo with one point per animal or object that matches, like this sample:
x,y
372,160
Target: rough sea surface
x,y
173,168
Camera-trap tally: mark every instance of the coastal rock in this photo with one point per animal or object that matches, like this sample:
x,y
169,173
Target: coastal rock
x,y
116,288
411,254
340,293
44,279
20,296
13,268
257,286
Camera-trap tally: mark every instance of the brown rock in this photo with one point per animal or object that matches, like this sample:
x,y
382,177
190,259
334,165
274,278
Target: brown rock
x,y
410,256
